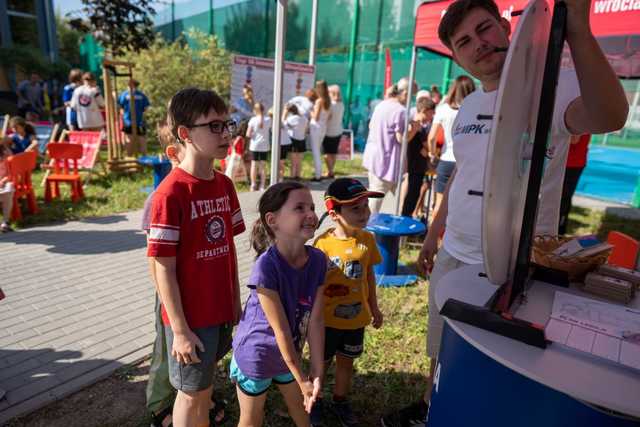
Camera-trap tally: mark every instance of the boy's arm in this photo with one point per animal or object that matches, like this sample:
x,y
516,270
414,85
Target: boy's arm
x,y
378,318
184,340
274,312
152,273
602,105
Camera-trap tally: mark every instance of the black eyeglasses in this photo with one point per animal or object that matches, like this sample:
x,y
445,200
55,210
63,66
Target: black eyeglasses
x,y
218,126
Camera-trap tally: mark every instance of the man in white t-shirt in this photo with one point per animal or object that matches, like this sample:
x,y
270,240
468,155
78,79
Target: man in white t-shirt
x,y
593,103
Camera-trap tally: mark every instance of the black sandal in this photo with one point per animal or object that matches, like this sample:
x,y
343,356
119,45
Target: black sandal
x,y
219,406
158,418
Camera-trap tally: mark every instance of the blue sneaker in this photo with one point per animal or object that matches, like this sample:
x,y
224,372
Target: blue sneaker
x,y
317,414
344,413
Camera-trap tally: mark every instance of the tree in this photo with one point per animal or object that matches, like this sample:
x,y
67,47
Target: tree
x,y
120,25
165,68
68,41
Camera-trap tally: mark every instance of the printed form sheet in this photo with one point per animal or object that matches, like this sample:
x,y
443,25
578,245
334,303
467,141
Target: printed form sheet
x,y
605,330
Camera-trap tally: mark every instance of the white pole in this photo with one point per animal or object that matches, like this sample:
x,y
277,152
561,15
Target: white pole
x,y
281,31
403,148
312,36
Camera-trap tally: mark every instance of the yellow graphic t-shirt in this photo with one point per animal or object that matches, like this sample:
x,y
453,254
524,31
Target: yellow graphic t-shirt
x,y
346,289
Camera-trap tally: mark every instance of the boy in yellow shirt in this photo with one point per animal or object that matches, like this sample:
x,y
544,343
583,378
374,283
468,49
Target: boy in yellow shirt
x,y
350,289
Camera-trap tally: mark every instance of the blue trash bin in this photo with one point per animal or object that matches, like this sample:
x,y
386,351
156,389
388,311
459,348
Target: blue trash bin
x,y
388,229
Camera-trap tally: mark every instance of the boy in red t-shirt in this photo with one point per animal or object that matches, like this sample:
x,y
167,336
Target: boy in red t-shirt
x,y
195,214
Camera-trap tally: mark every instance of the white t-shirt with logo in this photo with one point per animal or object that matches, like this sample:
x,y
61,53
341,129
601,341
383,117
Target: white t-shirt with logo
x,y
462,237
445,116
259,135
87,101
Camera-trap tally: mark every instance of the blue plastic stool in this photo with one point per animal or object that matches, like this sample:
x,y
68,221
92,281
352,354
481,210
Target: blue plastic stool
x,y
388,229
161,167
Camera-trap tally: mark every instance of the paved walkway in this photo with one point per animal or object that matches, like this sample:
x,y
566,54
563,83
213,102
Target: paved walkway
x,y
80,303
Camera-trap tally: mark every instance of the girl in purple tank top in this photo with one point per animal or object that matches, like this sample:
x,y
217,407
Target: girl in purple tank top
x,y
284,309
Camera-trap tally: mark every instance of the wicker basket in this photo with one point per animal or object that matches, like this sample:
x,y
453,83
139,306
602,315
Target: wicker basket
x,y
576,266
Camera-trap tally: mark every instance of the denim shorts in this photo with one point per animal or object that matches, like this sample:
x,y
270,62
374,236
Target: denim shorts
x,y
253,386
199,376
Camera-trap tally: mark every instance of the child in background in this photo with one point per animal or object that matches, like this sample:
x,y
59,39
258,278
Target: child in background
x,y
234,165
241,141
296,126
258,133
350,290
195,214
6,189
88,102
414,187
75,80
285,146
24,136
285,302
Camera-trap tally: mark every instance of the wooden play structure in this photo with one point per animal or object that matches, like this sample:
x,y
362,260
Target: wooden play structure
x,y
117,158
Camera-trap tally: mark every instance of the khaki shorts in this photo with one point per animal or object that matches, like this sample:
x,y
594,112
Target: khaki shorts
x,y
445,263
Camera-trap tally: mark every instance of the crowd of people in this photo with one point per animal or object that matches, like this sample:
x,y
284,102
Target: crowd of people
x,y
310,122
82,106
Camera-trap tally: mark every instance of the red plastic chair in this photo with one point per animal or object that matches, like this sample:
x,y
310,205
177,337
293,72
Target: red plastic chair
x,y
625,250
65,169
20,168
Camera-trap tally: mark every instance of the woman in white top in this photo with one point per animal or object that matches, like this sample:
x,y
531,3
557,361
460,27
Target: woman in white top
x,y
296,127
318,127
443,121
334,129
258,134
88,103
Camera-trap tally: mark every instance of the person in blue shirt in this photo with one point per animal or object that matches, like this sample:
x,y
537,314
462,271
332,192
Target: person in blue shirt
x,y
141,102
23,137
75,80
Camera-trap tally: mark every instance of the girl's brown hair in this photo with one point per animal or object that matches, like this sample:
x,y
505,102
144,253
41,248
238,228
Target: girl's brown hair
x,y
323,93
19,121
259,108
461,88
75,75
262,237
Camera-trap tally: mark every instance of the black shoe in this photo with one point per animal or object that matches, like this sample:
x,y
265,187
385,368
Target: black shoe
x,y
314,179
413,415
317,414
343,411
